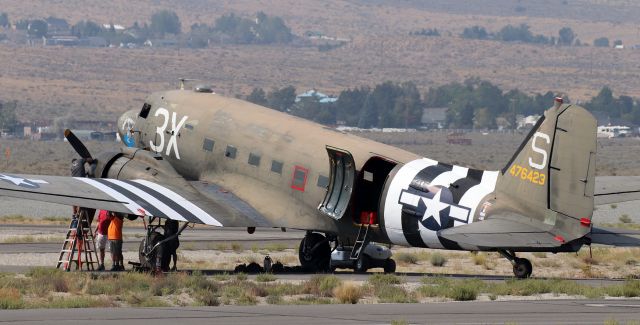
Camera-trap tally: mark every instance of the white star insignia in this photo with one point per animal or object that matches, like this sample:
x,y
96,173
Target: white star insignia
x,y
434,206
19,181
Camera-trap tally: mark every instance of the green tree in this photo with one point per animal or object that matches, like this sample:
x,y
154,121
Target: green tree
x,y
165,22
368,114
37,28
567,36
407,110
4,20
602,102
625,106
383,99
22,24
199,36
262,30
282,99
350,103
475,32
85,28
8,119
258,96
601,42
460,113
512,33
483,119
227,23
271,30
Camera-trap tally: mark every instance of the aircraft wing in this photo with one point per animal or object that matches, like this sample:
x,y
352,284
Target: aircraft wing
x,y
615,189
500,233
137,196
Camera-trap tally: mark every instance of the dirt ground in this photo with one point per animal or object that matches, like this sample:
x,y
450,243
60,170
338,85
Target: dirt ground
x,y
604,263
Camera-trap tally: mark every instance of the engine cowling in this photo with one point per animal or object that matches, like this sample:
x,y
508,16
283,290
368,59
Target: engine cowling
x,y
133,163
424,196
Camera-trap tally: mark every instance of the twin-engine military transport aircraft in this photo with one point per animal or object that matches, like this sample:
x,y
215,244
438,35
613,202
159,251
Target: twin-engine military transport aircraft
x,y
198,157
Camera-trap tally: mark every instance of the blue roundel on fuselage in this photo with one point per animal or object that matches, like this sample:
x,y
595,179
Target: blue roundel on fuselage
x,y
128,140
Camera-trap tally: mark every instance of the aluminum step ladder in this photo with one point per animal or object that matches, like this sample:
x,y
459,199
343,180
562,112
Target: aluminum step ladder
x,y
79,247
361,241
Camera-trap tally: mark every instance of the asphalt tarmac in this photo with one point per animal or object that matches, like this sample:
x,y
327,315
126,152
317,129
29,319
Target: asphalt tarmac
x,y
199,238
492,312
207,237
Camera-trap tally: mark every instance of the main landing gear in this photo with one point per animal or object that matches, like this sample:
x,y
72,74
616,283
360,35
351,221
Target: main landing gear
x,y
314,252
159,244
522,267
317,255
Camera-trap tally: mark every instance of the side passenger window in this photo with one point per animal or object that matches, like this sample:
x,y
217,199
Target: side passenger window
x,y
207,144
231,152
299,179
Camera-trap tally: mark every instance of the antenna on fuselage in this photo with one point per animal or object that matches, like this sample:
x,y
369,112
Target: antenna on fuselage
x,y
184,80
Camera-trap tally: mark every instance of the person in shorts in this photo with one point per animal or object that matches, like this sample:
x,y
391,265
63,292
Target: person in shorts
x,y
115,241
102,233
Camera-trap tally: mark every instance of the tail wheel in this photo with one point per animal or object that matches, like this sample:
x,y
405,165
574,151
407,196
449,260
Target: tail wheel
x,y
389,266
314,253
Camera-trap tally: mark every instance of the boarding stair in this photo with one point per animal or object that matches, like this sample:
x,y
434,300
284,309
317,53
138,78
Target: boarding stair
x,y
361,241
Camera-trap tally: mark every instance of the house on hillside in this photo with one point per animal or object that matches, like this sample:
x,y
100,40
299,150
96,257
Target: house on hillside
x,y
161,43
116,27
434,117
526,122
61,41
313,94
58,27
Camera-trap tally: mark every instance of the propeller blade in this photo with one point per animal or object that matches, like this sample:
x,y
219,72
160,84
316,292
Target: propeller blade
x,y
77,145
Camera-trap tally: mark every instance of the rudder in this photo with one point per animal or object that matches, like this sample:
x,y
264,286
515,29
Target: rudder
x,y
554,167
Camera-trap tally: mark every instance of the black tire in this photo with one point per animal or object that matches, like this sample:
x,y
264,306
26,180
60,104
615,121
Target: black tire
x,y
149,261
314,253
362,264
522,268
389,266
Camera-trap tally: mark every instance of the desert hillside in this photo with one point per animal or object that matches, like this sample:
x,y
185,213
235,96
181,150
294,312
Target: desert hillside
x,y
59,82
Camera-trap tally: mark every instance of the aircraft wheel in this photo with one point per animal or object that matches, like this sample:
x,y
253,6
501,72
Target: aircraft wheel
x,y
522,268
314,253
389,266
149,260
362,264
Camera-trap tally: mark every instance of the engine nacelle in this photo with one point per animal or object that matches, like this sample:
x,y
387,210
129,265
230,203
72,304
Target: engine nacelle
x,y
424,196
133,163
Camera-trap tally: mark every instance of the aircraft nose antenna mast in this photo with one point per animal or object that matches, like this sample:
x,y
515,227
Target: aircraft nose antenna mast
x,y
558,102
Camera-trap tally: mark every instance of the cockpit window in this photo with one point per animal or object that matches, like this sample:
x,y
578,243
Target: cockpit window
x,y
145,110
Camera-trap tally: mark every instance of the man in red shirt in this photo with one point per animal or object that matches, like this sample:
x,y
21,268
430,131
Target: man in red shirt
x,y
104,219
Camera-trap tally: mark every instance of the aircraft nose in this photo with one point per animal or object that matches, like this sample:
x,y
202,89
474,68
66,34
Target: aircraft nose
x,y
126,123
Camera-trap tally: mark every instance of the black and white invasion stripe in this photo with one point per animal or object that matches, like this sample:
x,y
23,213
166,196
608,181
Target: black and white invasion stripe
x,y
143,197
414,188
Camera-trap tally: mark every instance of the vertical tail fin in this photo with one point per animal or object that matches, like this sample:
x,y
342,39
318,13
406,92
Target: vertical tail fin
x,y
554,168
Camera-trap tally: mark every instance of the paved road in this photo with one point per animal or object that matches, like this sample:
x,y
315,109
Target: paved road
x,y
520,312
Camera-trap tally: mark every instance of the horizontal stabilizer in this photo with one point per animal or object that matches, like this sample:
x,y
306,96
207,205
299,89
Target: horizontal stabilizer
x,y
615,237
616,189
500,233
